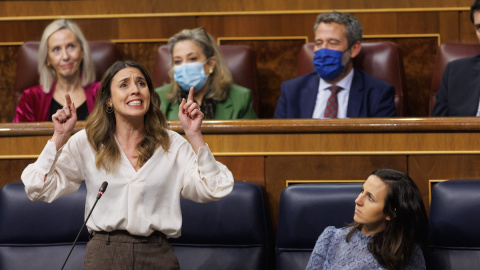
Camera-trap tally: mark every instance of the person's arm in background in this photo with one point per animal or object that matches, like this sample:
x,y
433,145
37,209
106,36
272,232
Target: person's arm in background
x,y
243,96
386,103
25,109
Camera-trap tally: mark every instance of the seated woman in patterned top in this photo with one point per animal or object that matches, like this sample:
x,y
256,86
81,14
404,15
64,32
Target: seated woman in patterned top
x,y
389,232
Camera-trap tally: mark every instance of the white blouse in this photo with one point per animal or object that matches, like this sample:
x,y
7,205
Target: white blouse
x,y
140,201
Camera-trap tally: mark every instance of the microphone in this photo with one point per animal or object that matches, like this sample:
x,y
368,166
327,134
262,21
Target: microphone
x,y
102,189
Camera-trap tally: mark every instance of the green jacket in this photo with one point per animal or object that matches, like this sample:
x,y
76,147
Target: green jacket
x,y
238,104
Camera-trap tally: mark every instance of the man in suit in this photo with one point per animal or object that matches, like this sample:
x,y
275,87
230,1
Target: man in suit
x,y
336,89
459,93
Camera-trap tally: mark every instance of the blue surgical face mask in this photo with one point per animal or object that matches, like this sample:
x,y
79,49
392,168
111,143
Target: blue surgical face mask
x,y
190,75
328,63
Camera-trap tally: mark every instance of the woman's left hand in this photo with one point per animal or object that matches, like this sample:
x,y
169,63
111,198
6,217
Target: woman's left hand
x,y
191,119
190,115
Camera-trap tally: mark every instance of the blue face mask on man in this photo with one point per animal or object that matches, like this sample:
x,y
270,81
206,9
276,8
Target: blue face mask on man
x,y
328,63
189,75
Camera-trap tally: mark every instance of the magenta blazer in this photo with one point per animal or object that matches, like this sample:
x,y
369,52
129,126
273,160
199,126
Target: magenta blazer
x,y
34,105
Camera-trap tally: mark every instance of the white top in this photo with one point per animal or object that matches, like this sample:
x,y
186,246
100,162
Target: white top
x,y
137,201
342,97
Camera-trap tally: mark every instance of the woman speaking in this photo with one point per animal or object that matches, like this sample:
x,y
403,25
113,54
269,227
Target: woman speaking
x,y
147,167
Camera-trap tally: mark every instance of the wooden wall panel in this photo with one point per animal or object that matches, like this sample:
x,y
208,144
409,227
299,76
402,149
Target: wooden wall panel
x,y
8,69
442,167
59,7
245,169
466,28
419,60
141,52
26,30
399,22
270,152
20,31
276,62
153,28
101,28
378,23
12,170
259,25
281,169
449,25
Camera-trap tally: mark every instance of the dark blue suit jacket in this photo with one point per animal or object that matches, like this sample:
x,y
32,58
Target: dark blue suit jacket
x,y
460,88
369,97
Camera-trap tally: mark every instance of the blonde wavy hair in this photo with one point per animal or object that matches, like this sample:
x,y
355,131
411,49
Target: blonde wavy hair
x,y
48,74
219,81
101,125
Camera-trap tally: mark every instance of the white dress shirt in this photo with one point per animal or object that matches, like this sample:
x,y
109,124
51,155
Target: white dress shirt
x,y
140,201
342,97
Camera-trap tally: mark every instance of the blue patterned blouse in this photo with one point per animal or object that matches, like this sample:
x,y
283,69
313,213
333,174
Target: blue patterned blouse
x,y
333,252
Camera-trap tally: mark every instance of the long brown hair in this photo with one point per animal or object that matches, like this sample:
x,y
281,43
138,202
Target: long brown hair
x,y
101,125
393,247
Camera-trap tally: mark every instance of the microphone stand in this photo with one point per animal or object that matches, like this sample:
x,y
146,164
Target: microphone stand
x,y
100,193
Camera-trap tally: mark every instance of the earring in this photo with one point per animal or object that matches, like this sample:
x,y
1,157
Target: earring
x,y
109,108
210,71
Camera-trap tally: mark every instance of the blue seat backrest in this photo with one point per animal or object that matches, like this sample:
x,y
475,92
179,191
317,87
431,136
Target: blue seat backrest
x,y
38,235
305,211
454,233
232,233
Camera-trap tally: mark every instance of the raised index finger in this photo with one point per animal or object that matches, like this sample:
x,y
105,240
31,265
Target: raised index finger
x,y
68,100
190,94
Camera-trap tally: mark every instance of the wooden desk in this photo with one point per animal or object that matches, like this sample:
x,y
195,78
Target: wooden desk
x,y
270,152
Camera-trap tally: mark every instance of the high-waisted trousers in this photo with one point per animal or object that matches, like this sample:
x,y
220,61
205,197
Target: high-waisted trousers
x,y
119,250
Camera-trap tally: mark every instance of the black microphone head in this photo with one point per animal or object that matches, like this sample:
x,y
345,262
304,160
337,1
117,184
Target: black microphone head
x,y
102,189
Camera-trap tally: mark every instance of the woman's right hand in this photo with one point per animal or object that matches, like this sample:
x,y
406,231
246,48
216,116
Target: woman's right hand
x,y
64,122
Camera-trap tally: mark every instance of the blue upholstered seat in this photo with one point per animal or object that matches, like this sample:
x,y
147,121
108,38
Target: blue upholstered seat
x,y
305,211
233,233
38,235
454,235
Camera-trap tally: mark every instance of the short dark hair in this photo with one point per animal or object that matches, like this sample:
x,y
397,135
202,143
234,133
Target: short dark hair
x,y
353,27
475,7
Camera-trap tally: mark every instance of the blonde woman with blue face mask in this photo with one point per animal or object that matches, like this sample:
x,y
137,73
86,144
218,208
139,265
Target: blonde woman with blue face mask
x,y
198,63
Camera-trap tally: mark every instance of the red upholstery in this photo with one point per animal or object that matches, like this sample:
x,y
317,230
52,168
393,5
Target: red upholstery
x,y
104,54
382,60
240,59
446,53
